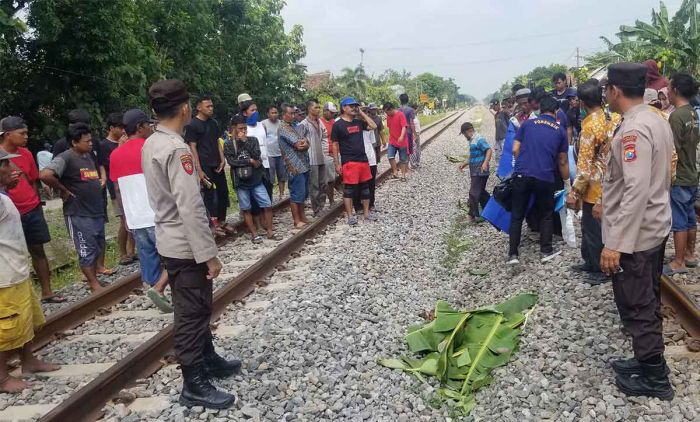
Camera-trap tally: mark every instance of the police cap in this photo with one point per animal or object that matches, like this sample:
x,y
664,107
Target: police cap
x,y
166,94
627,75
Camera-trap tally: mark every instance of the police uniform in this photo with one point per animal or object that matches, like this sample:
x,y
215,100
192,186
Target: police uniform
x,y
185,243
636,222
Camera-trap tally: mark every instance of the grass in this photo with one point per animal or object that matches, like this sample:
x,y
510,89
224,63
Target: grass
x,y
455,242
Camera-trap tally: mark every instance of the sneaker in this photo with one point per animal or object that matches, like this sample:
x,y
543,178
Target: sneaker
x,y
513,260
352,220
546,257
372,216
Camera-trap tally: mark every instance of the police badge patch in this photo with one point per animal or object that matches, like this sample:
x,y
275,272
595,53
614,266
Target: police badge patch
x,y
630,153
187,163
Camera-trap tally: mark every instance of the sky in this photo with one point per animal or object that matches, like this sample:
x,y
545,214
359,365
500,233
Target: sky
x,y
479,43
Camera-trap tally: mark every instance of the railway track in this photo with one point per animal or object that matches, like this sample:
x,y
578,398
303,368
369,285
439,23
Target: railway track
x,y
683,304
101,318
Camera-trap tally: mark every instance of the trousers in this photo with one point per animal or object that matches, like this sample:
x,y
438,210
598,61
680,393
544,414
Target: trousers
x,y
216,200
357,201
192,303
523,188
317,187
638,300
477,194
591,239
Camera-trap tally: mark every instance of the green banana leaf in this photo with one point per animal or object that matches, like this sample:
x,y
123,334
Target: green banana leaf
x,y
461,348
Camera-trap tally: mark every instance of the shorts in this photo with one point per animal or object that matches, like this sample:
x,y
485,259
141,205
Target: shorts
x,y
683,208
403,153
36,231
258,192
330,170
299,187
149,260
88,234
278,170
20,315
356,172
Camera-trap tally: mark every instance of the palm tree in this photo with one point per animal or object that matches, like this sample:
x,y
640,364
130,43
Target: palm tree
x,y
354,80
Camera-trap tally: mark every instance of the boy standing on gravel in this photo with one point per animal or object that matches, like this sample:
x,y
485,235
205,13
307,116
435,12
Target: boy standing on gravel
x,y
20,312
480,153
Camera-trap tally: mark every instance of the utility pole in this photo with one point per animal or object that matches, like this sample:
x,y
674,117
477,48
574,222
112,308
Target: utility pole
x,y
362,56
578,58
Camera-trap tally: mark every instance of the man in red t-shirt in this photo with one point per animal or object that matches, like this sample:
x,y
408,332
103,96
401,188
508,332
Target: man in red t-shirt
x,y
25,196
126,173
396,122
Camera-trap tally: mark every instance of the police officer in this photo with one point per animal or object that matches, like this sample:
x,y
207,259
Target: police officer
x,y
636,222
185,242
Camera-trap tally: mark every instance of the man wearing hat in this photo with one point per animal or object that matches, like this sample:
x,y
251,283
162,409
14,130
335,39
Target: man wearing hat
x,y
126,173
350,158
186,244
20,310
480,153
25,196
636,222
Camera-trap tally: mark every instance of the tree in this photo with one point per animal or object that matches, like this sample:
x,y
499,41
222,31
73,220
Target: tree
x,y
674,43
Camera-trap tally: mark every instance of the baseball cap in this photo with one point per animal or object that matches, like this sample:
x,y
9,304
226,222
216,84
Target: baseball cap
x,y
330,107
571,92
523,92
372,106
168,93
244,97
10,123
348,101
4,155
465,127
133,118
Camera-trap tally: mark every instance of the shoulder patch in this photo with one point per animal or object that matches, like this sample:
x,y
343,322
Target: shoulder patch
x,y
187,163
629,153
629,139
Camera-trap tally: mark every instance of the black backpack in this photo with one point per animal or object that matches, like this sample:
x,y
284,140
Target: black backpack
x,y
503,193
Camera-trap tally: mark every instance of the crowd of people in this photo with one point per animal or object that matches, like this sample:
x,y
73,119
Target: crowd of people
x,y
623,153
165,175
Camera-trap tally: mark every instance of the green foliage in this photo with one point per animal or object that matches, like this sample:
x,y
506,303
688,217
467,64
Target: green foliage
x,y
103,55
389,85
461,348
673,42
540,76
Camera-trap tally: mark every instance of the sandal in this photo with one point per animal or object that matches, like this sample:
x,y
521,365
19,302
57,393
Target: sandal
x,y
106,271
53,299
229,229
274,236
670,272
127,260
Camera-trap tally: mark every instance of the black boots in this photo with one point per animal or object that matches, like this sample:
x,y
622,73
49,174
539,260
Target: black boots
x,y
637,378
198,391
218,367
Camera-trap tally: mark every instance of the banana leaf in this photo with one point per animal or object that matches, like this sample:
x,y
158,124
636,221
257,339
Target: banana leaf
x,y
461,348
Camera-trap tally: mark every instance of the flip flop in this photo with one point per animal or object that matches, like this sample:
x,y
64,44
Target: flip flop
x,y
53,299
670,272
127,260
691,263
106,271
229,229
160,301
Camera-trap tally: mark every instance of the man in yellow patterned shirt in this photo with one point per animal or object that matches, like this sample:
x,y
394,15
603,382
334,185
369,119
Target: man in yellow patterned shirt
x,y
596,132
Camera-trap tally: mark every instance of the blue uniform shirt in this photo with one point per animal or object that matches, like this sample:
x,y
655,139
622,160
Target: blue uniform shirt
x,y
541,141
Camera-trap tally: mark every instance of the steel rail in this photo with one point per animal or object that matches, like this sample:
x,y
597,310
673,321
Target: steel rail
x,y
86,403
687,311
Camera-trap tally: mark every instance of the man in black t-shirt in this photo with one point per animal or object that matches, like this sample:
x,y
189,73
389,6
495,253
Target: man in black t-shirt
x,y
116,135
202,134
74,174
350,158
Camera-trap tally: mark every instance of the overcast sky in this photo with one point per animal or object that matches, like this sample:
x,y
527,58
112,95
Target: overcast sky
x,y
479,43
